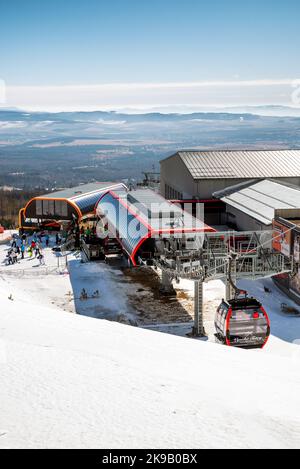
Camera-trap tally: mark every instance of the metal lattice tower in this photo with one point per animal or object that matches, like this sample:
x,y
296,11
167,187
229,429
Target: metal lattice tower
x,y
229,256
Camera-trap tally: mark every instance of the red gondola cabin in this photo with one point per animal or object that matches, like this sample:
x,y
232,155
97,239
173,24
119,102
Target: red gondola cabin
x,y
243,323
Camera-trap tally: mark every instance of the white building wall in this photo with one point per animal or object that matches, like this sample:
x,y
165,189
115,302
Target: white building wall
x,y
173,173
243,221
206,187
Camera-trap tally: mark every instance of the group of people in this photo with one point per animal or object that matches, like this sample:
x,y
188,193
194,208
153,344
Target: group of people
x,y
35,248
30,244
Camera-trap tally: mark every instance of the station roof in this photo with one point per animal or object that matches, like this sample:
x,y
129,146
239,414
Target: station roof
x,y
158,213
84,197
241,164
260,199
138,215
76,192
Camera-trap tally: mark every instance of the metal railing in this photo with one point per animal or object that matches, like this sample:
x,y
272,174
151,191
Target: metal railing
x,y
39,271
252,252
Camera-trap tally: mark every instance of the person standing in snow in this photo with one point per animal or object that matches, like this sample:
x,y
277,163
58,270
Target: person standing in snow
x,y
22,251
24,238
57,239
47,240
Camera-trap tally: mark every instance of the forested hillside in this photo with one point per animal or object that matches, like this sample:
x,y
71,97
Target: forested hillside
x,y
10,204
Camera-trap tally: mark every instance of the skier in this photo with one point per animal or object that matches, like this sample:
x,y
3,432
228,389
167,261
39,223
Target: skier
x,y
8,259
14,257
47,240
22,251
30,251
41,259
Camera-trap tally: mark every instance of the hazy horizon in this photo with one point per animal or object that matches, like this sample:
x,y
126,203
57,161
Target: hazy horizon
x,y
198,96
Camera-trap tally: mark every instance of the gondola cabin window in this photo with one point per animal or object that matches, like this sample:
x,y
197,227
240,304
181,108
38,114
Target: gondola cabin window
x,y
221,317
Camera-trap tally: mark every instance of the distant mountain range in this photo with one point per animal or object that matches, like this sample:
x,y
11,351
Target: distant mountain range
x,y
267,110
60,149
108,116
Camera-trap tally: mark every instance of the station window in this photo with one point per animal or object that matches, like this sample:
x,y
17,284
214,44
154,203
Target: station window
x,y
51,210
39,207
61,208
45,207
172,194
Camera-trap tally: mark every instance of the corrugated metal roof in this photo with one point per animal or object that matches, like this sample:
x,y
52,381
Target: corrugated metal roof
x,y
157,212
84,196
260,199
135,216
78,191
242,164
152,204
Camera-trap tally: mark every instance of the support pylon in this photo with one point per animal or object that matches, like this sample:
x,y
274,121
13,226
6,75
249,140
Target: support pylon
x,y
231,279
198,329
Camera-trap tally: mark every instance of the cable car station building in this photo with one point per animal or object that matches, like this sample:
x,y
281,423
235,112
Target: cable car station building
x,y
66,205
145,223
197,175
171,238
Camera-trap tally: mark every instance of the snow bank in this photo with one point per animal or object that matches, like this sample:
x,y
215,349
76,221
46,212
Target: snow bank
x,y
72,381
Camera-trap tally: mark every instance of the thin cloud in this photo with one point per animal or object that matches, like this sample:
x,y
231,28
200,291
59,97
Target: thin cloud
x,y
144,95
154,85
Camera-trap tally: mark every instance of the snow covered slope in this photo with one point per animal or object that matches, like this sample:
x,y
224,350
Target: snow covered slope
x,y
72,381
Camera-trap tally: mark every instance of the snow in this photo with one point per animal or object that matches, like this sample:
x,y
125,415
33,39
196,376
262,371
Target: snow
x,y
112,302
4,237
29,282
72,381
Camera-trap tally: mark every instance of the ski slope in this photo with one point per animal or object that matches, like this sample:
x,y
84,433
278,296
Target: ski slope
x,y
70,381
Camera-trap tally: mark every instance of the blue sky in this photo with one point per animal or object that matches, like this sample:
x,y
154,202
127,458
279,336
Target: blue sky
x,y
71,42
